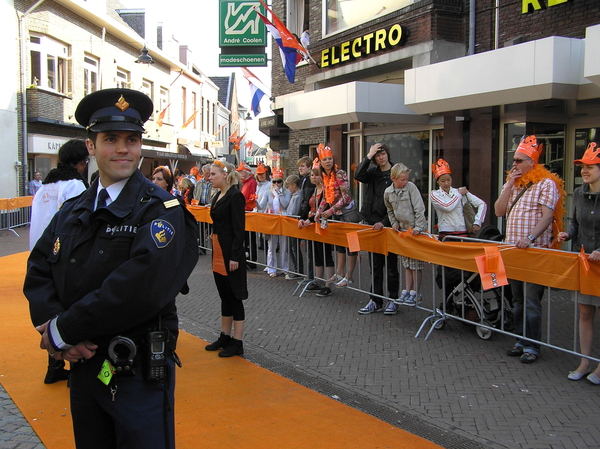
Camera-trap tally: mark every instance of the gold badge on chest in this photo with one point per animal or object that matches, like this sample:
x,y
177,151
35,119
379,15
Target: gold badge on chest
x,y
56,246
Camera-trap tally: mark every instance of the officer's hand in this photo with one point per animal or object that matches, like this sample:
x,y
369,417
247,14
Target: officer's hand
x,y
45,342
233,265
84,350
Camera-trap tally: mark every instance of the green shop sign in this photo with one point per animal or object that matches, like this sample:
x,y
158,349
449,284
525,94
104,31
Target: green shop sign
x,y
239,25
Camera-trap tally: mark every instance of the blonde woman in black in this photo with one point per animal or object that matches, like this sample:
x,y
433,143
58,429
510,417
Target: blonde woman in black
x,y
229,265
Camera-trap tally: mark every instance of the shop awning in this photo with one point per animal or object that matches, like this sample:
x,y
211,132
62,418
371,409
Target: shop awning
x,y
550,68
348,103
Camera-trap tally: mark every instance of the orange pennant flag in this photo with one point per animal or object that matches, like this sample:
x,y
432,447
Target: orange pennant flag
x,y
161,116
353,242
584,260
319,230
491,268
190,120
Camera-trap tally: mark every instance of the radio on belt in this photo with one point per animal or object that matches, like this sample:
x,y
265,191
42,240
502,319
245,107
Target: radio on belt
x,y
156,360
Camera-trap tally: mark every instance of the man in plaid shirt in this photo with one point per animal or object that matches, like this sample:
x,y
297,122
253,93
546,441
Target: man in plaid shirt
x,y
528,201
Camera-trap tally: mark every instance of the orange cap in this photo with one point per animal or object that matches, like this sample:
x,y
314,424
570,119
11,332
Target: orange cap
x,y
324,151
530,147
440,168
261,169
591,155
244,167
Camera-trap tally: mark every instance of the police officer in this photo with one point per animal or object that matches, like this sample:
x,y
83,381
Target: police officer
x,y
102,281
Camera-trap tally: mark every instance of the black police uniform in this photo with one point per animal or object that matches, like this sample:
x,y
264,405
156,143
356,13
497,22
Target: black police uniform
x,y
110,272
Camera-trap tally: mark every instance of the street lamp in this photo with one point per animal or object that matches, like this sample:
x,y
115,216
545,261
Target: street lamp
x,y
144,57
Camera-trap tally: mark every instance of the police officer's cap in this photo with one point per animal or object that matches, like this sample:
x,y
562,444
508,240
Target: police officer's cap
x,y
114,110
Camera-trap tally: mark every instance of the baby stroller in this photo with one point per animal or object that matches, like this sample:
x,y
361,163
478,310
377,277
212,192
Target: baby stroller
x,y
466,299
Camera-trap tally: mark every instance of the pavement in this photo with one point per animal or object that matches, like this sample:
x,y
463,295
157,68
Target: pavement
x,y
454,389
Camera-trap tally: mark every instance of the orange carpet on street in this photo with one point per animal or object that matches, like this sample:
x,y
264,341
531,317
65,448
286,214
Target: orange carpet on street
x,y
219,402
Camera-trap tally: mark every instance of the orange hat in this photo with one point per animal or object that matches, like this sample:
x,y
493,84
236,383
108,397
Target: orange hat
x,y
530,147
194,170
591,155
324,151
277,173
244,167
440,168
316,163
261,169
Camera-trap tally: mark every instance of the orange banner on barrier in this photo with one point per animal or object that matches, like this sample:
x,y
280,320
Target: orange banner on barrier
x,y
15,203
558,269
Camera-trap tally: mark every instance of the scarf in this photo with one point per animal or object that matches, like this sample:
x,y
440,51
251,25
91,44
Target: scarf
x,y
329,183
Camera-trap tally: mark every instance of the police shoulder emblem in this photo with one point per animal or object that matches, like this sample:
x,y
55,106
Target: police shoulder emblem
x,y
162,232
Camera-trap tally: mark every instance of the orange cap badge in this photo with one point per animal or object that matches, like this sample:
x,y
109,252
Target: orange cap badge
x,y
440,168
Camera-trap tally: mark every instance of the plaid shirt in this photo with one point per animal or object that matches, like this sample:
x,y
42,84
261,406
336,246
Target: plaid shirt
x,y
527,211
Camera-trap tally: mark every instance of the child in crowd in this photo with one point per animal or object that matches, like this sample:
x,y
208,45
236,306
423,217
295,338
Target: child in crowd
x,y
277,203
406,210
293,185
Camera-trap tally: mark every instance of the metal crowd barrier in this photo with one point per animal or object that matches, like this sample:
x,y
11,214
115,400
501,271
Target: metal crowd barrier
x,y
461,301
14,212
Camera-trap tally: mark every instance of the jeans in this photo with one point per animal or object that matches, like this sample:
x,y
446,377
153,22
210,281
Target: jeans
x,y
533,322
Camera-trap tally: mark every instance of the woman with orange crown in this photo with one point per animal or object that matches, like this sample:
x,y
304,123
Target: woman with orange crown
x,y
448,203
585,232
337,199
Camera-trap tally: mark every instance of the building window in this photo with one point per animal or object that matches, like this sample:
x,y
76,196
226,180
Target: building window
x,y
183,104
194,106
90,74
49,63
297,16
148,88
214,118
342,14
203,112
163,103
123,78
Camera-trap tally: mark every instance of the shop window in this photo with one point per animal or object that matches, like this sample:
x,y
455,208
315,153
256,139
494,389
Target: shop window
x,y
90,74
412,149
49,63
342,14
552,136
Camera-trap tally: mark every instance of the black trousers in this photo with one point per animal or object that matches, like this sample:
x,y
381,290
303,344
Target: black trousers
x,y
393,277
140,416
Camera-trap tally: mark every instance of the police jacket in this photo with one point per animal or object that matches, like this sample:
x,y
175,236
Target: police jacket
x,y
114,271
373,209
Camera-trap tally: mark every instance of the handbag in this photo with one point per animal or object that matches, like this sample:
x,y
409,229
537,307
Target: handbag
x,y
469,213
350,213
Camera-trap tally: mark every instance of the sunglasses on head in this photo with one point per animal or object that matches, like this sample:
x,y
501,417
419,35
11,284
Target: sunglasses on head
x,y
278,182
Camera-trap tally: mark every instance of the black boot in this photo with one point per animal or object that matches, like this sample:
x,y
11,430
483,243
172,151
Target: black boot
x,y
236,347
56,371
221,343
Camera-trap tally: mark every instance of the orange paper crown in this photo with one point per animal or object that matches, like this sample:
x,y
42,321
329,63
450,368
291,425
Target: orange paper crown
x,y
261,169
316,163
277,173
440,168
530,147
591,155
324,151
244,167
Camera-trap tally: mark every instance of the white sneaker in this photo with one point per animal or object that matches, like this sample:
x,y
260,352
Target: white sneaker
x,y
390,309
371,307
411,301
403,297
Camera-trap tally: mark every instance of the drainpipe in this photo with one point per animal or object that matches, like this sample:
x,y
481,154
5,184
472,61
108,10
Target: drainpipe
x,y
497,24
471,27
22,37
